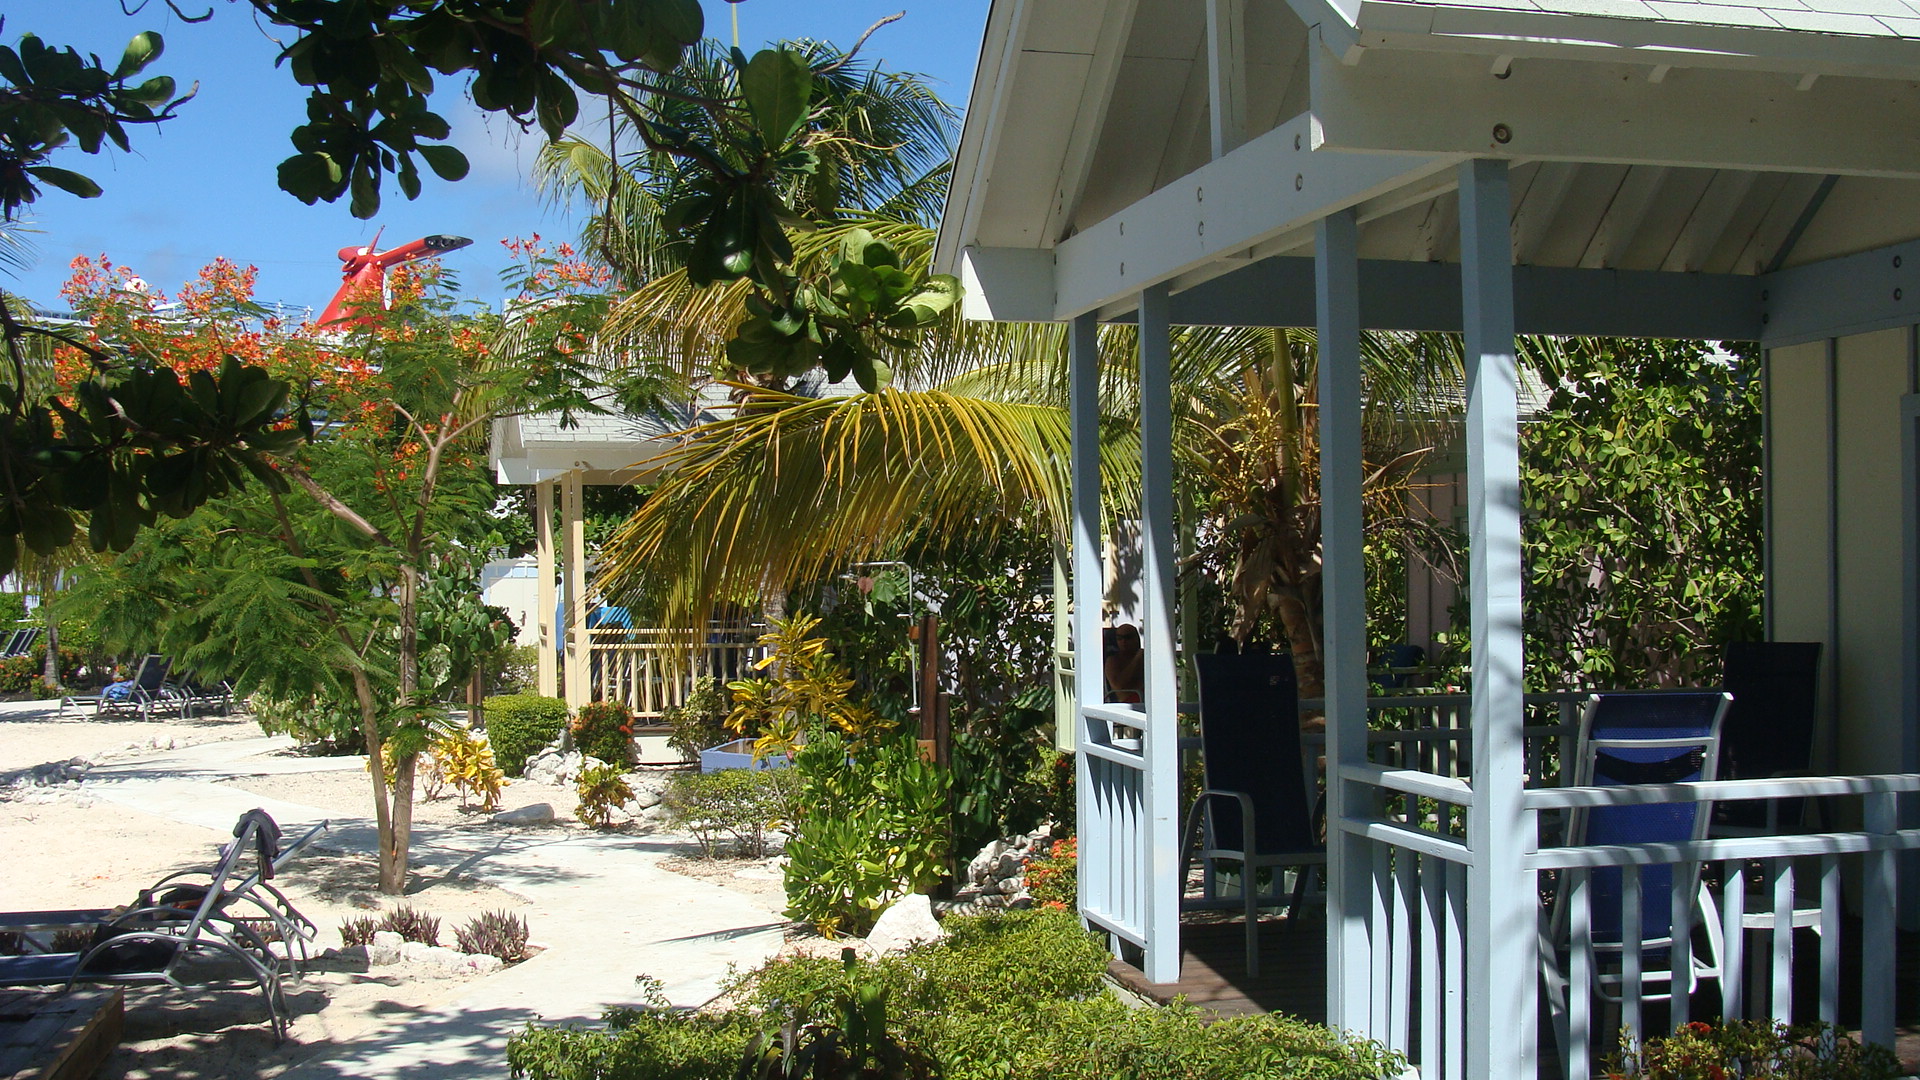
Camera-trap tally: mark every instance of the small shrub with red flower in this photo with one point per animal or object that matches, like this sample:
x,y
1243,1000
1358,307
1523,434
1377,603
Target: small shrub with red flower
x,y
1054,879
1752,1050
604,729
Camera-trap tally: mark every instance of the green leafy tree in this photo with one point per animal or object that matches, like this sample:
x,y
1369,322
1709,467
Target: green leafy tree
x,y
1644,518
322,582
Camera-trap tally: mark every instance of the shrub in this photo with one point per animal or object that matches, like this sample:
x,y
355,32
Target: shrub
x,y
494,933
358,931
1755,1050
1013,995
18,674
745,804
411,925
604,729
602,789
519,725
467,763
312,721
641,1044
874,828
701,722
1053,880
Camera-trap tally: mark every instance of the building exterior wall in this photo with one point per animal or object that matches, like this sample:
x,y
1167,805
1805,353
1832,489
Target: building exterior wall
x,y
514,584
1836,570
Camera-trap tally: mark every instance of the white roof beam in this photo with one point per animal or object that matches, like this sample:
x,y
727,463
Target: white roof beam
x,y
1227,74
1103,71
1440,104
1268,186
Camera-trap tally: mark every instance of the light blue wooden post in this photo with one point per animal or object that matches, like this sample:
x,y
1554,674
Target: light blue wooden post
x,y
1344,638
1089,576
1502,935
1159,627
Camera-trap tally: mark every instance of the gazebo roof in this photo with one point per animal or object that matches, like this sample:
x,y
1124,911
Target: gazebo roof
x,y
1649,138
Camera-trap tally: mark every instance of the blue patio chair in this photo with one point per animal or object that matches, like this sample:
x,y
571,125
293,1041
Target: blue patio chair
x,y
1255,809
1660,737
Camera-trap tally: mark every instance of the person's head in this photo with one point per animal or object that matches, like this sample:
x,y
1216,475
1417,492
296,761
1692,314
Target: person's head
x,y
1127,637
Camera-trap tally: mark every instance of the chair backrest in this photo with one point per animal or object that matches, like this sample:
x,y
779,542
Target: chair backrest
x,y
1769,728
1659,737
15,642
153,672
28,638
1250,736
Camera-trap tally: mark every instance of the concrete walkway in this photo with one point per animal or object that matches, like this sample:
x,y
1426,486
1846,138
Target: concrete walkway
x,y
608,912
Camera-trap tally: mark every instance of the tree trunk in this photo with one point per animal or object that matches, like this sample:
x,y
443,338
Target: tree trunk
x,y
376,769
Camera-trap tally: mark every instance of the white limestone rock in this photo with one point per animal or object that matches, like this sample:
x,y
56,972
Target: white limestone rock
x,y
482,964
533,814
909,921
980,870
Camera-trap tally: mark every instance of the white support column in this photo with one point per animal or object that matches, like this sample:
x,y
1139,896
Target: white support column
x,y
1502,949
1066,687
574,578
1226,74
1162,691
1089,573
1344,642
546,603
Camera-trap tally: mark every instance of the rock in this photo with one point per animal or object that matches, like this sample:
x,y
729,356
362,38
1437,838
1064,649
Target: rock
x,y
1008,865
482,964
534,814
386,948
1019,901
909,921
981,868
444,959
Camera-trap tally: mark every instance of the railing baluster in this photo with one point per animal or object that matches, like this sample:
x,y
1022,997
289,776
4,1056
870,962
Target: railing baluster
x,y
1782,997
1579,1039
1432,996
1455,959
1630,946
1876,928
1680,953
1406,866
1830,938
1733,912
1381,982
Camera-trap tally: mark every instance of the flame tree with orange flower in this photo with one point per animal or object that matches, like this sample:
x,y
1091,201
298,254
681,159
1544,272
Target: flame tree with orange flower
x,y
315,585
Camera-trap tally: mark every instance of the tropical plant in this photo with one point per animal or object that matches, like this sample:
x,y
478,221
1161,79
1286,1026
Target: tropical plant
x,y
858,1046
699,723
467,763
1644,525
604,729
1053,879
358,930
520,725
602,790
873,828
500,934
803,689
411,924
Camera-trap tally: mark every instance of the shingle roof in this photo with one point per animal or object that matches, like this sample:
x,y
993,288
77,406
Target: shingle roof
x,y
1857,18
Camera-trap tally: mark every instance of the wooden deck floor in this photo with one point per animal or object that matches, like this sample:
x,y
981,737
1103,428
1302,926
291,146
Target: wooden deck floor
x,y
48,1036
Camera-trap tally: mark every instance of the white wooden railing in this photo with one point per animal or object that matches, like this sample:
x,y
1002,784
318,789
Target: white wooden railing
x,y
654,670
1113,822
1757,890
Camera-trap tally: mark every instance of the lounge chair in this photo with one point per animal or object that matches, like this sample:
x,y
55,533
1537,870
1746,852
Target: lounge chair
x,y
1254,810
1768,730
1663,737
200,946
141,695
199,698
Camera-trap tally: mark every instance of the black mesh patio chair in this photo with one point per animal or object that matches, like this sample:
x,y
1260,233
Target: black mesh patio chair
x,y
1255,810
1768,731
145,693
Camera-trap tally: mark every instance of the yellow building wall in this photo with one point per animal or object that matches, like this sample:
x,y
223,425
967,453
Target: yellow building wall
x,y
1835,543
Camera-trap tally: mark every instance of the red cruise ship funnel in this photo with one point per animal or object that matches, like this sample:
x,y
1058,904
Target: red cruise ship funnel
x,y
363,270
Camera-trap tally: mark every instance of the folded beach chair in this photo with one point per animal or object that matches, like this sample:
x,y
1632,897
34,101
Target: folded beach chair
x,y
197,947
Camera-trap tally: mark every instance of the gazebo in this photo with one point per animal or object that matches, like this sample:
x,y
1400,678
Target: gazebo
x,y
1661,168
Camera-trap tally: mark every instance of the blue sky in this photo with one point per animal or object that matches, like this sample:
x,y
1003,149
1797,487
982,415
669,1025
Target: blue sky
x,y
203,184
